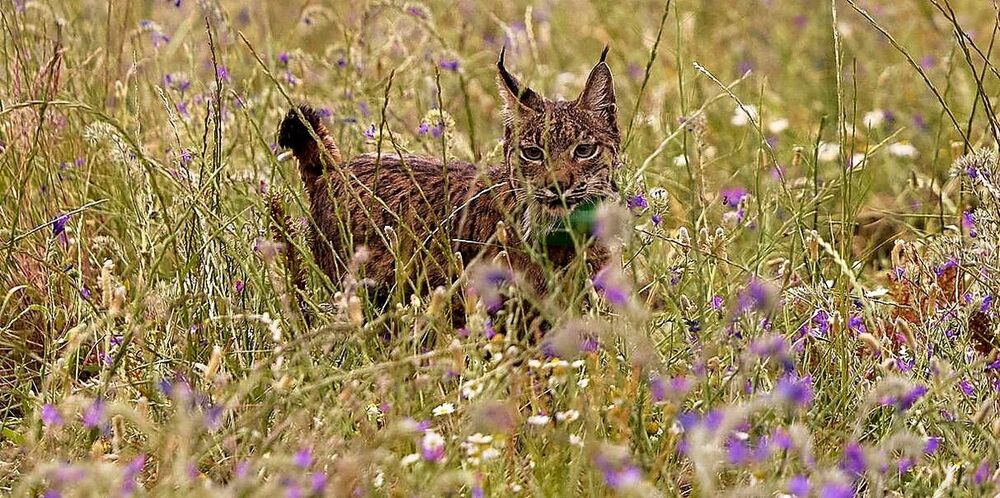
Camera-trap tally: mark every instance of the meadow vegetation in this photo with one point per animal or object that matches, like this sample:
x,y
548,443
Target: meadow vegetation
x,y
801,305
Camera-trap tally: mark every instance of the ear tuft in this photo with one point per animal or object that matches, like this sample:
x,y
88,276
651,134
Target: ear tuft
x,y
517,97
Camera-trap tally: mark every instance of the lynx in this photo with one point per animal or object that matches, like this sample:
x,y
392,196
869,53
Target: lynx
x,y
415,213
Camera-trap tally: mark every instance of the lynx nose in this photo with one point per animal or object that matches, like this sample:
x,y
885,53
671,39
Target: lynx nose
x,y
560,187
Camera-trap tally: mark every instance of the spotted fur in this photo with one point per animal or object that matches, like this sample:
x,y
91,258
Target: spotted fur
x,y
436,210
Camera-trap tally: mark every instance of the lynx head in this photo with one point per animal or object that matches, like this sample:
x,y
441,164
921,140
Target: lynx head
x,y
560,153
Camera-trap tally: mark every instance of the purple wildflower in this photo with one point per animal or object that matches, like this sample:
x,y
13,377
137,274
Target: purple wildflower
x,y
658,388
607,285
982,472
854,459
907,400
836,490
822,320
904,365
737,452
856,323
732,196
795,391
51,416
623,478
93,416
951,263
423,128
716,302
222,73
637,202
417,12
303,458
432,447
448,64
972,172
656,219
967,388
283,58
239,286
370,132
318,482
132,470
59,224
242,469
969,223
798,486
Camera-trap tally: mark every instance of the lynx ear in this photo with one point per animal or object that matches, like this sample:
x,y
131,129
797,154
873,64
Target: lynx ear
x,y
599,93
516,97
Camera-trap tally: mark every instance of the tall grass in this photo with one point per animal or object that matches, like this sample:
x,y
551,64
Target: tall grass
x,y
808,254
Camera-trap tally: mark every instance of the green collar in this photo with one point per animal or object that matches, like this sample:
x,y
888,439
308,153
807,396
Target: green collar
x,y
579,223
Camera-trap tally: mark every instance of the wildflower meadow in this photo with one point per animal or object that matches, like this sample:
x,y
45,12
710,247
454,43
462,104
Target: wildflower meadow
x,y
806,253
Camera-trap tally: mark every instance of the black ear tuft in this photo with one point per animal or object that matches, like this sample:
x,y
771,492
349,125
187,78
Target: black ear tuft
x,y
293,133
515,95
604,53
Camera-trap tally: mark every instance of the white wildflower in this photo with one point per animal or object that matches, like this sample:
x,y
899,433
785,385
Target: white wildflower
x,y
828,152
858,160
443,409
472,389
539,420
744,115
408,460
902,149
567,416
658,194
874,118
479,438
778,125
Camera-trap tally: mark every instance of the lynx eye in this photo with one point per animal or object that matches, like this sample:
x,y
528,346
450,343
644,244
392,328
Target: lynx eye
x,y
585,151
532,153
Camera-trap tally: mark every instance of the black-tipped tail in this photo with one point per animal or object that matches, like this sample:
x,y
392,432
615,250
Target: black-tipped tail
x,y
299,132
294,133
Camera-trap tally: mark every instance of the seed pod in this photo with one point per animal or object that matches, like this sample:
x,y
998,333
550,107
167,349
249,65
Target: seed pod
x,y
437,302
354,312
797,153
871,342
812,245
896,255
214,362
985,410
903,328
684,238
502,233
